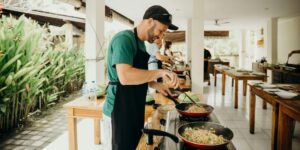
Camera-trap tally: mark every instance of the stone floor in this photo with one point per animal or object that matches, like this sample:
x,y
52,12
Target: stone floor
x,y
50,133
40,132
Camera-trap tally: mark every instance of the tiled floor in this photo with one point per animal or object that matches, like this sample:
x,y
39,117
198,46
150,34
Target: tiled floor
x,y
40,133
236,119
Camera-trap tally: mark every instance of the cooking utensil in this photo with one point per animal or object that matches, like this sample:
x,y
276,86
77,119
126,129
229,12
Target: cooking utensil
x,y
191,99
217,128
182,107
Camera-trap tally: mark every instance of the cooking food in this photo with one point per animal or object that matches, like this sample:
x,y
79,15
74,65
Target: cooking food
x,y
202,136
196,109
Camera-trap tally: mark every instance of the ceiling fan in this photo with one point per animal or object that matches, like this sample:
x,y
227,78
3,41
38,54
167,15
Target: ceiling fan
x,y
219,22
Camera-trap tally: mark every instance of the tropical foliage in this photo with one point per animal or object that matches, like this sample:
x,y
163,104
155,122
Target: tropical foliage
x,y
32,74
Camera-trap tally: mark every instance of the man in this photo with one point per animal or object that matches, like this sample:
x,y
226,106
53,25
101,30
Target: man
x,y
129,78
207,57
155,56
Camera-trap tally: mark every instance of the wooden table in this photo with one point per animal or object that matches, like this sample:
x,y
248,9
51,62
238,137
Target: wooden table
x,y
289,111
240,76
83,108
220,69
274,101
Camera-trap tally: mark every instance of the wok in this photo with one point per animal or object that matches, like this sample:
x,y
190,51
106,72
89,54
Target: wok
x,y
219,130
182,107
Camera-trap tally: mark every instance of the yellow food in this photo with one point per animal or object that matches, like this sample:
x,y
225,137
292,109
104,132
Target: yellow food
x,y
202,136
196,109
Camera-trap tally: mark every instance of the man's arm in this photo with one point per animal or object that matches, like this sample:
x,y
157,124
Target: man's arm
x,y
129,75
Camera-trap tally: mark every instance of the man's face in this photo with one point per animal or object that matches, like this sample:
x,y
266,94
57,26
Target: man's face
x,y
156,31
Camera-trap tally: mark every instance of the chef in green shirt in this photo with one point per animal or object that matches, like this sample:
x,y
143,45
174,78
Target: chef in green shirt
x,y
129,77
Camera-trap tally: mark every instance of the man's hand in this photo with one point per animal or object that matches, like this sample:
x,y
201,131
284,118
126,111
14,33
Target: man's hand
x,y
161,88
170,79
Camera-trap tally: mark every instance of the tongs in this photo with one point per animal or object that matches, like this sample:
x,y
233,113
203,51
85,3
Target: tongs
x,y
191,99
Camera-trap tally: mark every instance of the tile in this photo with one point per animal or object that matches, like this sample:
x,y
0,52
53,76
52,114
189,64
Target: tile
x,y
259,134
37,143
241,144
28,142
36,137
19,148
18,142
259,144
9,141
237,134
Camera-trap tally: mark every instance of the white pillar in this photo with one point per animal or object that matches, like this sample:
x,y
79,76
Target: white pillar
x,y
271,42
94,39
69,35
242,51
197,42
188,40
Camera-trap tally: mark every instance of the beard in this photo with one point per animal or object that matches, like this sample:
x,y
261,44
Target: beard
x,y
151,36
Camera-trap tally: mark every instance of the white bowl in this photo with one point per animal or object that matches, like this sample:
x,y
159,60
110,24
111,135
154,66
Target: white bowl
x,y
286,94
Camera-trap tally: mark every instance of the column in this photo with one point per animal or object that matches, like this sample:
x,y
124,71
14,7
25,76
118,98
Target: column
x,y
94,41
197,42
271,42
69,35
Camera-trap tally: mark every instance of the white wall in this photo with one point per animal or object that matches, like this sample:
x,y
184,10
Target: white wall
x,y
288,39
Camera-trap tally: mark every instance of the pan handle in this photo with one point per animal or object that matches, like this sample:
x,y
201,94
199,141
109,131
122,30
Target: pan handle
x,y
173,99
151,132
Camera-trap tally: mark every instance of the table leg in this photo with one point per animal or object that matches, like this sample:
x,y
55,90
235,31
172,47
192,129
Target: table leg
x,y
252,111
232,82
285,124
236,93
274,126
97,131
223,83
245,87
215,75
72,125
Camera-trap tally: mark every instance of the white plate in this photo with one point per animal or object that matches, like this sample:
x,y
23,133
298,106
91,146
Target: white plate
x,y
272,90
286,94
259,73
267,86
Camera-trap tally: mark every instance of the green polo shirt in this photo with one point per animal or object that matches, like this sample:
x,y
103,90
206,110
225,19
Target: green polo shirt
x,y
121,50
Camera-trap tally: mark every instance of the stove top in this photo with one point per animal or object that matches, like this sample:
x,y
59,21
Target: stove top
x,y
174,121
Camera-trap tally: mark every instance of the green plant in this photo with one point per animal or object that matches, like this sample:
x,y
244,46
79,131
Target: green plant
x,y
30,70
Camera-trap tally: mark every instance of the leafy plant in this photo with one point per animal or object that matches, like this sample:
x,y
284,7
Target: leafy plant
x,y
30,70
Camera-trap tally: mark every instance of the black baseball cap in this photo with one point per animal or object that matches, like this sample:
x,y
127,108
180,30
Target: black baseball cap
x,y
160,14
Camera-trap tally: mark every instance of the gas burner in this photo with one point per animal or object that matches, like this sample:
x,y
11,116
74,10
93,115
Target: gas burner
x,y
191,119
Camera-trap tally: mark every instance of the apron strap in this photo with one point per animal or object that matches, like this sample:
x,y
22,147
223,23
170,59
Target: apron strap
x,y
111,83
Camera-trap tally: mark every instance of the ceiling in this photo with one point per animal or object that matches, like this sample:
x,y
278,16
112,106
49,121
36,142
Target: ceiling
x,y
240,13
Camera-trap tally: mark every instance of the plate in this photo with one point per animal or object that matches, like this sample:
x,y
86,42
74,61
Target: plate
x,y
259,73
286,94
267,86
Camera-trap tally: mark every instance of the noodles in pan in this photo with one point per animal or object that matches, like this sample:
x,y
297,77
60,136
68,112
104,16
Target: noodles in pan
x,y
202,136
196,109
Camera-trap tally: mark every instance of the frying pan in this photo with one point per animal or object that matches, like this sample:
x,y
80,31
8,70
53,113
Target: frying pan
x,y
182,107
217,128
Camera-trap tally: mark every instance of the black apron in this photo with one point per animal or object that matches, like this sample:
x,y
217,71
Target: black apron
x,y
129,108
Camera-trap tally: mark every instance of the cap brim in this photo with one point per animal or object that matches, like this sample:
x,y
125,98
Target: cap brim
x,y
172,27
